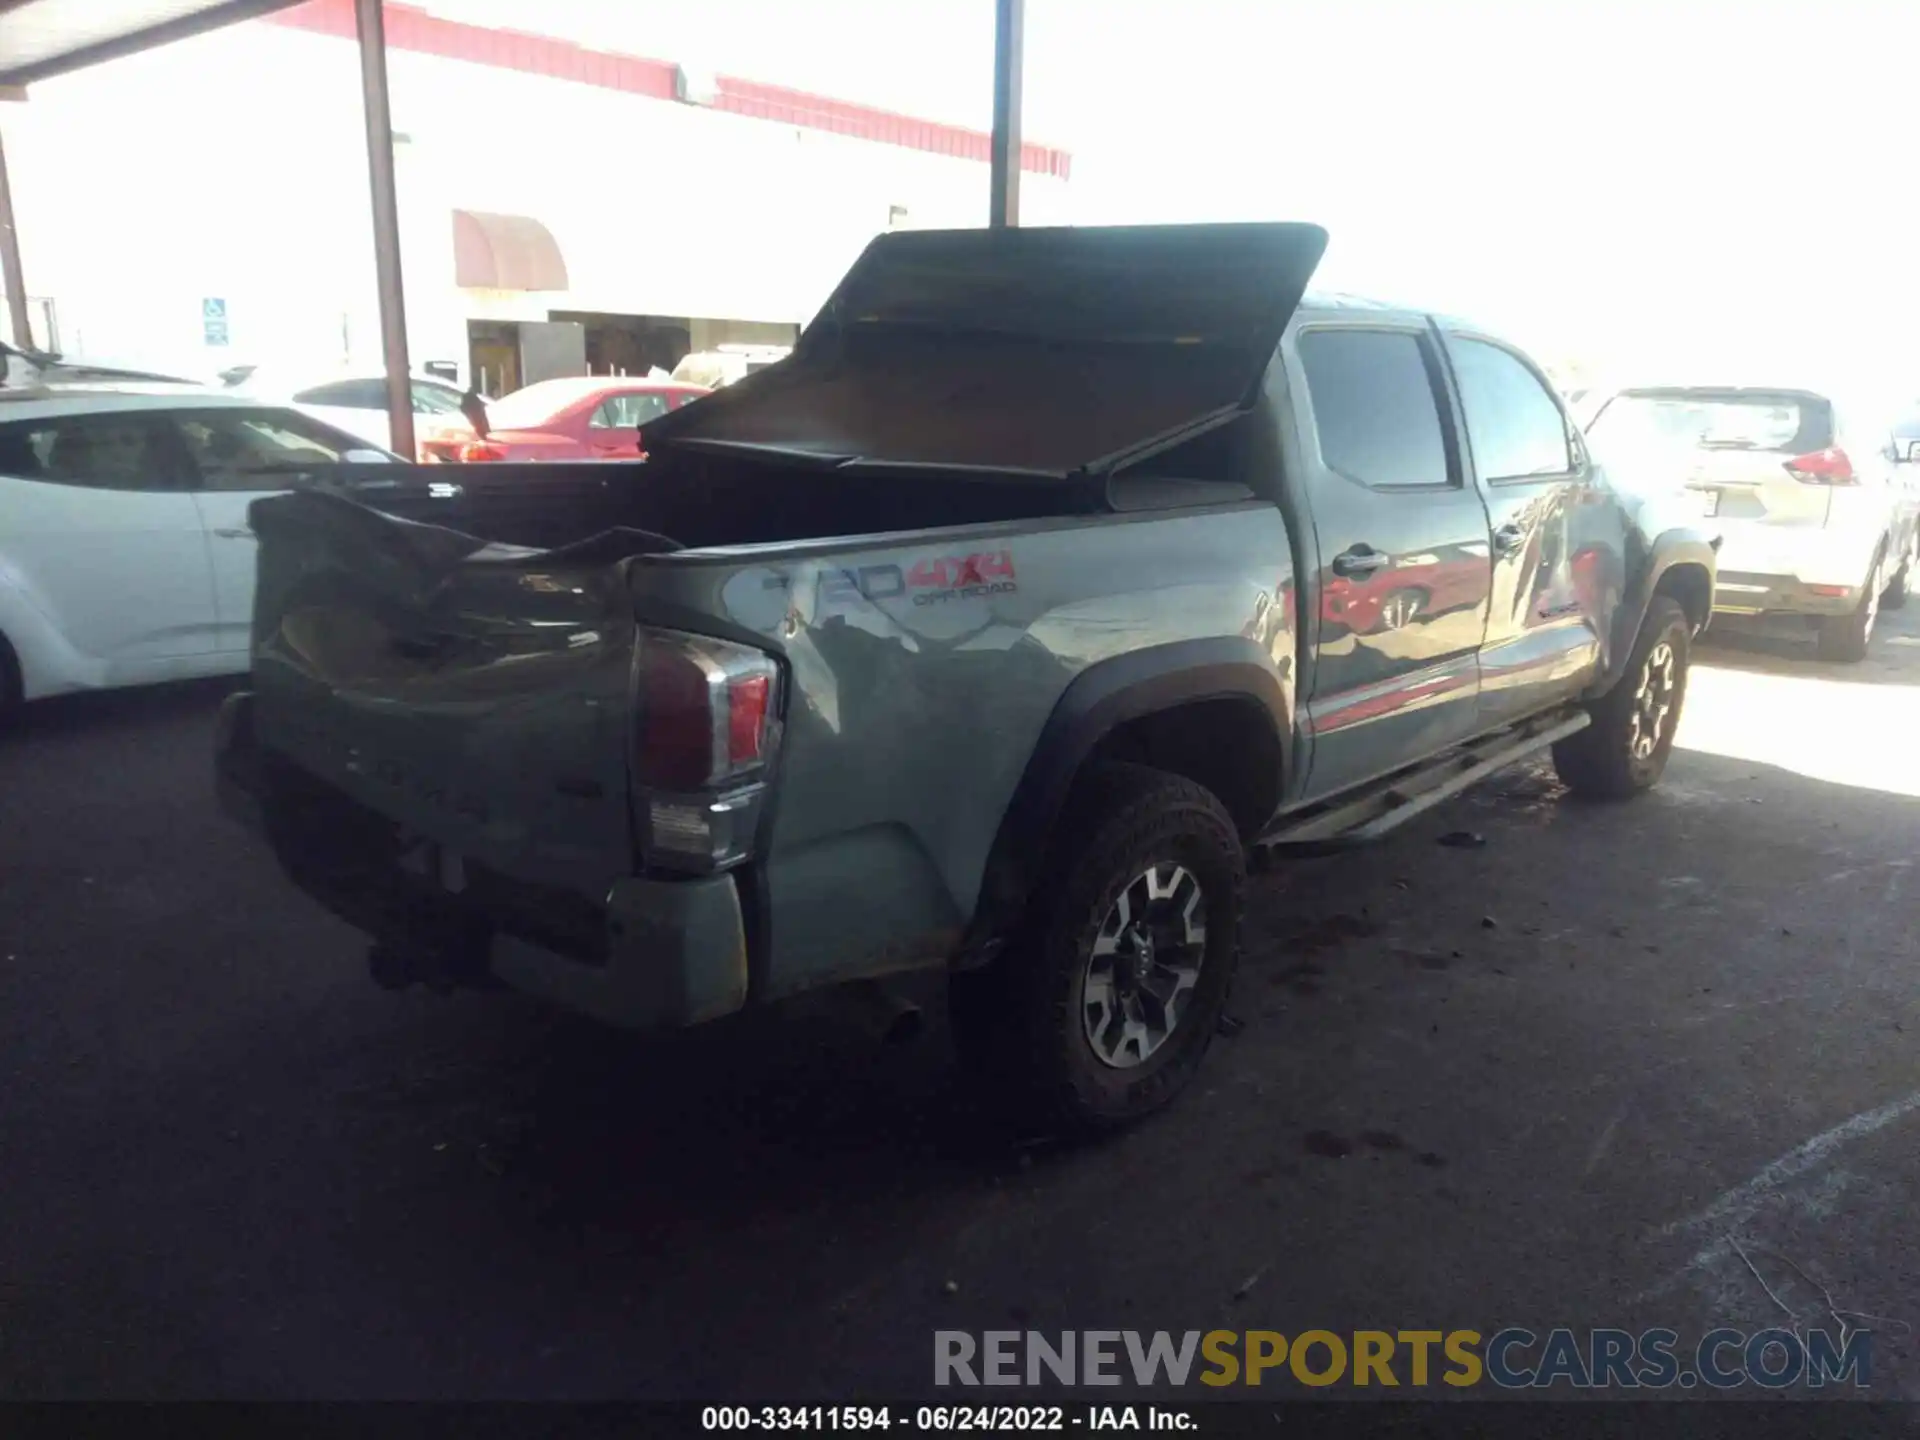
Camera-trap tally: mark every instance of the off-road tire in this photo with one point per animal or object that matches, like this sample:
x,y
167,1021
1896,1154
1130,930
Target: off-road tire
x,y
1845,638
1599,763
1019,1022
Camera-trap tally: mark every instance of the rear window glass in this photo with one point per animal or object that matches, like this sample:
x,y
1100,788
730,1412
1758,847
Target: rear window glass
x,y
1709,420
628,412
1373,407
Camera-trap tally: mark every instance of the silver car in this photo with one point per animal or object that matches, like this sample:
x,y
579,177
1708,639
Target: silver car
x,y
1816,518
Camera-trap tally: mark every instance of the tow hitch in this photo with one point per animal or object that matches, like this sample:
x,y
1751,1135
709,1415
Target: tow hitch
x,y
398,967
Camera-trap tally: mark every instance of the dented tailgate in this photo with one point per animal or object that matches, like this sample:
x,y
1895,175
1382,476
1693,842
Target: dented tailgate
x,y
474,695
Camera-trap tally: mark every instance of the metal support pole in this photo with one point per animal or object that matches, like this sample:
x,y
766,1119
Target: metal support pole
x,y
10,273
386,224
1009,38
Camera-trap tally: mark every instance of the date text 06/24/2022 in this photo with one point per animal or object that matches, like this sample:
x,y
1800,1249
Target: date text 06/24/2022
x,y
937,1419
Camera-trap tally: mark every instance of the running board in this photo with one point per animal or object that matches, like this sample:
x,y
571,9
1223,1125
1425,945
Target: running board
x,y
1359,819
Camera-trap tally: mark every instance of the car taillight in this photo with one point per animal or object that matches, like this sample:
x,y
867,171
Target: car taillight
x,y
481,450
706,724
1823,467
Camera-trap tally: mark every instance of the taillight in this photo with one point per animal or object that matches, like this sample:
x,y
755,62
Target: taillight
x,y
1823,467
481,450
706,724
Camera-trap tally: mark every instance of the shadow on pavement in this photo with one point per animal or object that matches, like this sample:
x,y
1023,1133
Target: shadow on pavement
x,y
77,714
1776,648
1499,1082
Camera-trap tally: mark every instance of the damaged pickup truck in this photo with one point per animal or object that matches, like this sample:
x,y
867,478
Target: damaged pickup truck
x,y
1053,575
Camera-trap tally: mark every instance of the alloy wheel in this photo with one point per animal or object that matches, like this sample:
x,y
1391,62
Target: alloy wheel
x,y
1143,966
1653,701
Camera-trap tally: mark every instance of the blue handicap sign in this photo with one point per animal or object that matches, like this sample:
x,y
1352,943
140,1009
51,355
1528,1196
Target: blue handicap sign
x,y
213,320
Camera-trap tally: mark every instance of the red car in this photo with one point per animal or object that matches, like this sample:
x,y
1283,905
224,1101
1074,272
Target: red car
x,y
583,417
1417,588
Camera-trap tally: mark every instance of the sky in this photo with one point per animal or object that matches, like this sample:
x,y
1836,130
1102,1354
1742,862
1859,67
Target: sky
x,y
1688,185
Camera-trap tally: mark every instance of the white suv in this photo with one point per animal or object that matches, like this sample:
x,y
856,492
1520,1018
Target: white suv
x,y
1816,521
125,555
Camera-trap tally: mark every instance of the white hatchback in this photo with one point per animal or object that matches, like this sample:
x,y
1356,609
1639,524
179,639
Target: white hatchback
x,y
125,554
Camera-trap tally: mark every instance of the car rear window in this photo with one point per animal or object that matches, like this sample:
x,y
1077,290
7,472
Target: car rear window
x,y
1785,422
533,406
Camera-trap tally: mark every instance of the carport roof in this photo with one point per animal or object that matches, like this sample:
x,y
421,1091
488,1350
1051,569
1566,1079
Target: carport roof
x,y
43,38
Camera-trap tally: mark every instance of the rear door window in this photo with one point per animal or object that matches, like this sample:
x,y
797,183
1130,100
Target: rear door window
x,y
1374,411
125,451
1514,425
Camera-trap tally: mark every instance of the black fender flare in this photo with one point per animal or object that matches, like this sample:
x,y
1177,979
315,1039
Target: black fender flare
x,y
1102,697
1682,545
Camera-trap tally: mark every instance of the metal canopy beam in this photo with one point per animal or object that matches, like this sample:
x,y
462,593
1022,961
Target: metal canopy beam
x,y
10,272
1009,39
32,32
386,224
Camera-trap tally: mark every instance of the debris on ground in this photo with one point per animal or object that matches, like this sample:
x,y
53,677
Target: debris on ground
x,y
1462,840
1245,1287
1229,1026
1487,922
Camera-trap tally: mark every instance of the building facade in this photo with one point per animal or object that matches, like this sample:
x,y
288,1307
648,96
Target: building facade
x,y
206,204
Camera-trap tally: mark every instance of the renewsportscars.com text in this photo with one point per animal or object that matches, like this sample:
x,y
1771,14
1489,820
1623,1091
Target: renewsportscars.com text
x,y
1512,1359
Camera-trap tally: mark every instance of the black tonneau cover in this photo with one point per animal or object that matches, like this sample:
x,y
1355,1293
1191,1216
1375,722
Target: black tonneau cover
x,y
1050,351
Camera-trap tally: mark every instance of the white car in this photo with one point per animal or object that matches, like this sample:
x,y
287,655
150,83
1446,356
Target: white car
x,y
357,402
727,364
1816,521
125,554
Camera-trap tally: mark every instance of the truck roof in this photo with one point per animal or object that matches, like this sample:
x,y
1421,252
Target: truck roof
x,y
1323,302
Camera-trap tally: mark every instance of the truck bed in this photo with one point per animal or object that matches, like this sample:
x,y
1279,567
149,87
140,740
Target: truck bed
x,y
453,661
702,501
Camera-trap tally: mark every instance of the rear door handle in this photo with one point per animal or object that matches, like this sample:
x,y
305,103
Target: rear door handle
x,y
1507,539
1360,560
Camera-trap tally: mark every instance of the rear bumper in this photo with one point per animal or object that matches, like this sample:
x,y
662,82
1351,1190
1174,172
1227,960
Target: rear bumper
x,y
655,954
1744,592
1785,559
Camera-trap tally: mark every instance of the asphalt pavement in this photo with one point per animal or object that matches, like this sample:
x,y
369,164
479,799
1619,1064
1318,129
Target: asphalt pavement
x,y
1640,1065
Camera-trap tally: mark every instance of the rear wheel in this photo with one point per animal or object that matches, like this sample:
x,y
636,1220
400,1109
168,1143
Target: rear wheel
x,y
1625,749
1845,637
1101,1010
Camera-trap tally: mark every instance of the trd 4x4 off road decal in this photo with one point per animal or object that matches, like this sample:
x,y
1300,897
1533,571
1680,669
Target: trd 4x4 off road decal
x,y
932,581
